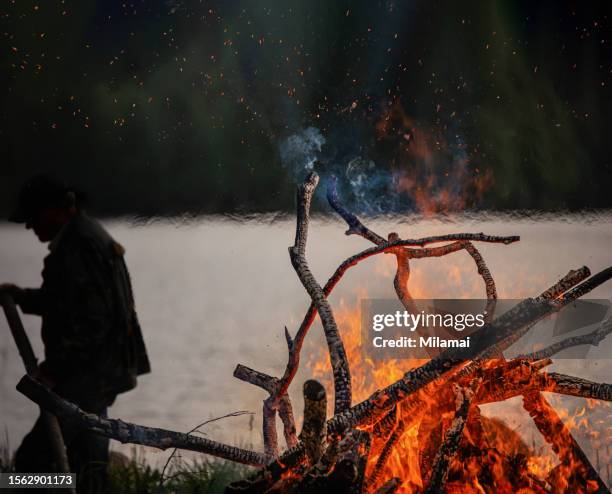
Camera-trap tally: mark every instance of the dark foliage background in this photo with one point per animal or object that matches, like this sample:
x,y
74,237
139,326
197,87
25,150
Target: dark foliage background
x,y
164,107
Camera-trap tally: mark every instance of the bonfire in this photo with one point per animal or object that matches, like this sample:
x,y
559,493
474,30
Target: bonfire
x,y
428,419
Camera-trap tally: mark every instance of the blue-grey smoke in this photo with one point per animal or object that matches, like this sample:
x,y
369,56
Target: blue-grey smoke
x,y
365,187
440,179
300,151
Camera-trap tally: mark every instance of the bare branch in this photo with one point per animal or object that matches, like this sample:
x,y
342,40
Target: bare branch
x,y
126,432
162,477
51,425
337,354
270,436
264,381
571,279
315,411
285,412
574,386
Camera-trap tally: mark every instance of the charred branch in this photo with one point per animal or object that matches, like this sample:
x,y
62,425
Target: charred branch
x,y
337,354
449,447
575,386
315,411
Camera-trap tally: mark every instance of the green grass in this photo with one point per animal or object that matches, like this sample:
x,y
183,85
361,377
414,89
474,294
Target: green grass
x,y
198,476
135,476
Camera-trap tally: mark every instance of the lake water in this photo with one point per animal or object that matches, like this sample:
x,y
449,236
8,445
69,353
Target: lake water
x,y
212,293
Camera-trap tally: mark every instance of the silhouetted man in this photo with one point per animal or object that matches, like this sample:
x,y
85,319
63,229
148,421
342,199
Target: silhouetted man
x,y
93,342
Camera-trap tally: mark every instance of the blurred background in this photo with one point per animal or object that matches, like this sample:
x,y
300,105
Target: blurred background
x,y
170,106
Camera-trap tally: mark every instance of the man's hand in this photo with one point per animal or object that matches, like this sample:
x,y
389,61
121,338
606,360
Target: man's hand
x,y
40,375
12,289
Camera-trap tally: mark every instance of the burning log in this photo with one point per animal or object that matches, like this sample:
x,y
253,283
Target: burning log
x,y
577,465
390,486
315,411
451,441
574,386
551,382
397,432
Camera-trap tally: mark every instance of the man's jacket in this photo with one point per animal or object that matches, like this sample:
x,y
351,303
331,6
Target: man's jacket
x,y
93,343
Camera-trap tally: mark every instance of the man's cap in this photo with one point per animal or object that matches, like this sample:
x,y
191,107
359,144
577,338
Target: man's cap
x,y
38,193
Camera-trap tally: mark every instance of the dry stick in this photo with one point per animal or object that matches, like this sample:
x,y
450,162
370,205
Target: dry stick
x,y
24,347
270,438
273,403
559,437
126,432
297,253
315,412
403,255
270,407
489,282
285,412
452,437
162,477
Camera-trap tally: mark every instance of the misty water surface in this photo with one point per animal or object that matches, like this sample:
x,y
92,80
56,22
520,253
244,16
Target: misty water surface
x,y
212,293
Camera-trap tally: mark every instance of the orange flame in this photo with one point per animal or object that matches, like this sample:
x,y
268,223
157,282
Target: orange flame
x,y
504,454
436,176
